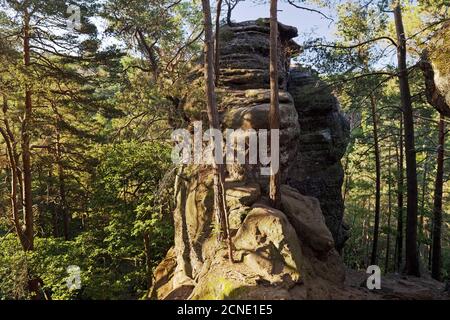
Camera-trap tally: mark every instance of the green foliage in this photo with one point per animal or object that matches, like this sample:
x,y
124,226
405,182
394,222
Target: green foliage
x,y
102,115
100,120
359,67
126,204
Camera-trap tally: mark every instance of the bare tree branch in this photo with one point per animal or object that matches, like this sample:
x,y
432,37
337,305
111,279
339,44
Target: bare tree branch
x,y
354,46
310,10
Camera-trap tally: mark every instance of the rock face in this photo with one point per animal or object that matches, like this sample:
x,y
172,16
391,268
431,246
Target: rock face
x,y
325,133
288,254
245,51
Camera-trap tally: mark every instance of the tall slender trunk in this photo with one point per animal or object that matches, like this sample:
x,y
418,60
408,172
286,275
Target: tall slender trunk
x,y
274,114
437,99
422,251
14,194
229,12
374,256
367,237
220,206
217,48
13,159
55,222
411,254
362,244
388,240
26,137
62,207
347,180
148,259
430,248
436,262
400,182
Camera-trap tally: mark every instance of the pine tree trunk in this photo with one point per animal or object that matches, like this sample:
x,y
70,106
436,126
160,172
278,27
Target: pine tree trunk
x,y
26,137
422,251
374,256
388,240
148,259
13,159
367,240
55,216
63,210
437,99
400,186
229,12
436,262
213,115
14,194
217,48
347,180
274,115
411,254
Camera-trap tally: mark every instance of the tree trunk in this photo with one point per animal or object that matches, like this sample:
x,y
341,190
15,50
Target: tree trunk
x,y
399,238
422,208
388,240
436,262
62,207
213,115
430,247
346,180
26,137
14,193
229,12
13,160
274,115
411,254
148,259
55,222
217,50
367,241
374,258
437,99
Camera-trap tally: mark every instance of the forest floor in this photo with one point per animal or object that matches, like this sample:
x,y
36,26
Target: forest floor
x,y
396,287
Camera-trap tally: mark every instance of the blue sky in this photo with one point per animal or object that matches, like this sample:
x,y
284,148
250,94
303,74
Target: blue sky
x,y
307,23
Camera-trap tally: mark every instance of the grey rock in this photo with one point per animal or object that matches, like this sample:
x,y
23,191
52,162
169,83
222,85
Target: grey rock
x,y
325,134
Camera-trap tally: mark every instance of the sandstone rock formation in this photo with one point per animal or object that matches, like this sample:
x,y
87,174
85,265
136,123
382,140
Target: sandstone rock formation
x,y
325,134
288,254
315,133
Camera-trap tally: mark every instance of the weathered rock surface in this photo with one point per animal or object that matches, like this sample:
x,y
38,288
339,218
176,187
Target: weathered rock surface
x,y
271,260
163,284
310,227
325,133
245,49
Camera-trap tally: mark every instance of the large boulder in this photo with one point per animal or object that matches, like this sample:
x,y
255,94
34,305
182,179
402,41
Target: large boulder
x,y
307,219
267,255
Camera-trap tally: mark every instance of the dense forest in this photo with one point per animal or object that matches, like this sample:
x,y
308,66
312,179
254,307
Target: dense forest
x,y
92,91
